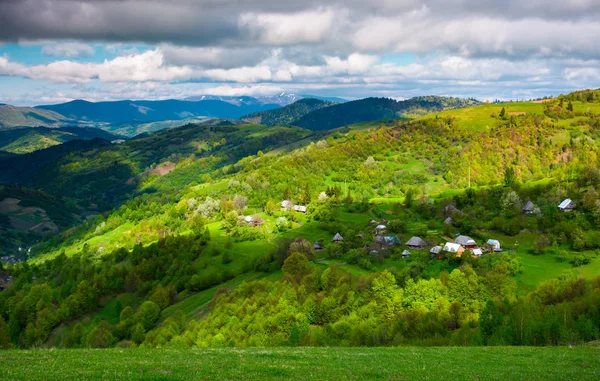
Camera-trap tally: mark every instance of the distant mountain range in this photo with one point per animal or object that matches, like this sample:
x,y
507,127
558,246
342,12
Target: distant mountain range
x,y
282,99
121,112
124,116
129,118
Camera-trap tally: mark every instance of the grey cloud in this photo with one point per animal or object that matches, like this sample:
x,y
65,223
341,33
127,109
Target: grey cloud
x,y
214,57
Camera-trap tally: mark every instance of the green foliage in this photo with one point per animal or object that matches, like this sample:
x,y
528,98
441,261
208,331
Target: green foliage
x,y
147,314
287,114
296,265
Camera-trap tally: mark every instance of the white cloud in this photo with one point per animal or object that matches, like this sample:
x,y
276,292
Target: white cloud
x,y
242,74
68,49
586,73
147,66
295,28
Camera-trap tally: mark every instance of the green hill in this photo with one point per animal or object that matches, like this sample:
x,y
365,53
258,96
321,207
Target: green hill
x,y
29,139
287,114
377,108
194,248
11,117
106,174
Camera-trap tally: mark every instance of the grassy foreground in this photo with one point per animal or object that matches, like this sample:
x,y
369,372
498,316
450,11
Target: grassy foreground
x,y
409,363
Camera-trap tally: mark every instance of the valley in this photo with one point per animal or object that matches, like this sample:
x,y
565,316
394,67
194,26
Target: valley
x,y
439,230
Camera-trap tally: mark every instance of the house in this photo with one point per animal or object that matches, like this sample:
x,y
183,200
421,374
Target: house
x,y
380,241
338,238
448,221
466,241
257,221
317,246
287,204
405,254
416,243
373,222
380,228
299,208
493,244
528,208
567,205
254,221
392,240
436,250
450,247
477,252
450,209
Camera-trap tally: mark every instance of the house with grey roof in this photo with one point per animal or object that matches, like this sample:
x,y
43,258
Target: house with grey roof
x,y
416,243
466,241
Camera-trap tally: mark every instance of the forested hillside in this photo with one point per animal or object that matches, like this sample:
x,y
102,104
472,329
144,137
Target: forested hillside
x,y
196,247
288,114
26,140
11,117
377,108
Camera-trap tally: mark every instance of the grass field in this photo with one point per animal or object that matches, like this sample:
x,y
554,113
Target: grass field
x,y
491,363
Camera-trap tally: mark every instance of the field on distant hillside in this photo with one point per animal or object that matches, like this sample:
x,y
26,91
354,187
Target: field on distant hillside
x,y
495,363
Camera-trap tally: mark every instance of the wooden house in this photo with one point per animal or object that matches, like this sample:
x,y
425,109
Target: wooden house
x,y
466,241
416,243
566,206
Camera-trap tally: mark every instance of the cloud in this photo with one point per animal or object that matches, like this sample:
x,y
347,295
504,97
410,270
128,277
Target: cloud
x,y
287,29
68,49
147,66
213,57
484,48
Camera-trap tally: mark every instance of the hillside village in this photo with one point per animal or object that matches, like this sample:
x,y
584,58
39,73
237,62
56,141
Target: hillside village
x,y
347,210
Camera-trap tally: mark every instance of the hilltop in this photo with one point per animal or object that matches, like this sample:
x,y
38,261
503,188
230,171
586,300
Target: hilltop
x,y
11,117
377,108
28,139
127,111
287,114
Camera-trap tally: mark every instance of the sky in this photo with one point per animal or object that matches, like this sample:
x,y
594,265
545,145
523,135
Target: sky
x,y
53,51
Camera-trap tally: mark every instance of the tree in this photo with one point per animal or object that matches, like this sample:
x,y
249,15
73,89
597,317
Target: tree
x,y
161,297
100,336
509,176
282,224
196,223
230,221
502,114
296,265
570,106
511,204
302,246
147,314
240,202
540,244
590,199
489,320
5,341
409,197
